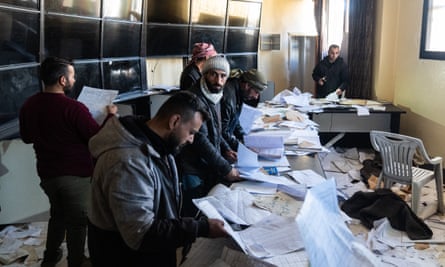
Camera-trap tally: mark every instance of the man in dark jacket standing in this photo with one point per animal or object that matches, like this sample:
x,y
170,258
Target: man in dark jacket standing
x,y
135,209
206,162
244,89
331,74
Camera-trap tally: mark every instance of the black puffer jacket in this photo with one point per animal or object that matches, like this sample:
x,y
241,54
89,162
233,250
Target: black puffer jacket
x,y
231,105
204,157
189,77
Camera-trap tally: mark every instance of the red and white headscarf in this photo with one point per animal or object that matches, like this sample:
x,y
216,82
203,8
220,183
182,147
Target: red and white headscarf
x,y
201,50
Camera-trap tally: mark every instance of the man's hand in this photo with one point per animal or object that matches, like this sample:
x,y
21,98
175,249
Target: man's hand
x,y
216,228
233,175
322,80
340,92
112,109
231,156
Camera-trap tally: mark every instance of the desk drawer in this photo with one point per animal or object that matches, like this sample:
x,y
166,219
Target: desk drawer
x,y
348,122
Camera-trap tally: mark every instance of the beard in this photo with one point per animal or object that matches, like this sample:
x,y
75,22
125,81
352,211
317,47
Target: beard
x,y
214,88
174,145
68,88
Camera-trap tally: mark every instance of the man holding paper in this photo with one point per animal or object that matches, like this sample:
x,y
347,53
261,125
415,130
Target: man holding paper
x,y
208,160
244,88
59,129
135,205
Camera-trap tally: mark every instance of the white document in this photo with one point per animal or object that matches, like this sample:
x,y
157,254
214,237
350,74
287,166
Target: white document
x,y
274,235
280,204
307,177
248,116
327,239
210,211
279,162
247,158
361,111
236,206
97,100
332,97
264,141
273,179
297,100
255,187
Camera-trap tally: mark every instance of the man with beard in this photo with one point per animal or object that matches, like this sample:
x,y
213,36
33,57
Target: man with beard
x,y
208,160
331,74
244,88
59,129
135,210
192,72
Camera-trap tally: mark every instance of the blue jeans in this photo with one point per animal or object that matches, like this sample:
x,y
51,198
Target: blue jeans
x,y
68,198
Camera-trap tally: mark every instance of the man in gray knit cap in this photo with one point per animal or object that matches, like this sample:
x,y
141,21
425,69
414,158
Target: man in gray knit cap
x,y
208,160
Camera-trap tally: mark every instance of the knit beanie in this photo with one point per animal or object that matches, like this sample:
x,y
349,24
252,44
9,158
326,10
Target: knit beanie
x,y
201,50
255,79
216,63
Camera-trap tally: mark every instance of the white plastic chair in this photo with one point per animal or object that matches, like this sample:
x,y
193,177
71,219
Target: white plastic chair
x,y
397,152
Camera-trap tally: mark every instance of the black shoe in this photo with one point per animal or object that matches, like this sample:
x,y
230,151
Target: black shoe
x,y
50,260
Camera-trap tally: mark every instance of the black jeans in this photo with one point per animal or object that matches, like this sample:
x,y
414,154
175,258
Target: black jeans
x,y
108,249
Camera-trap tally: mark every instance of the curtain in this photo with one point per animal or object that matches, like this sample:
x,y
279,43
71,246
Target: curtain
x,y
318,14
360,47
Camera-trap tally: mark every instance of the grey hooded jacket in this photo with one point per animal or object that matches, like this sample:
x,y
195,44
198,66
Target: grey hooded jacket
x,y
132,193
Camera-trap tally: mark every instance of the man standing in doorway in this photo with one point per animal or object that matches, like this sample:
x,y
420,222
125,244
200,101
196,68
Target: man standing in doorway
x,y
331,74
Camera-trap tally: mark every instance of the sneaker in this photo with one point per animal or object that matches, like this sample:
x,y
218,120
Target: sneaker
x,y
51,260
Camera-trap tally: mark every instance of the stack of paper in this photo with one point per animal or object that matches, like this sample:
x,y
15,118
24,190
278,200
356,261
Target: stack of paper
x,y
268,144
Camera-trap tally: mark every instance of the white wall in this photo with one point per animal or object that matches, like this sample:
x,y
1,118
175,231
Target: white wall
x,y
20,193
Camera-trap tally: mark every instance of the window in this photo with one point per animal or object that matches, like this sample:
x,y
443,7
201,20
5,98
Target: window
x,y
432,41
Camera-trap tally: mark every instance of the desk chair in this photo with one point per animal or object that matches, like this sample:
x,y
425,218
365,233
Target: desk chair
x,y
397,152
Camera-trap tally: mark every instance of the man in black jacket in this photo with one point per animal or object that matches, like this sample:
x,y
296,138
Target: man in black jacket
x,y
192,72
331,74
207,161
243,89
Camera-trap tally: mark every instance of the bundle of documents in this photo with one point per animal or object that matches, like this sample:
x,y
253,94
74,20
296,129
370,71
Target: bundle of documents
x,y
305,140
272,236
267,144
